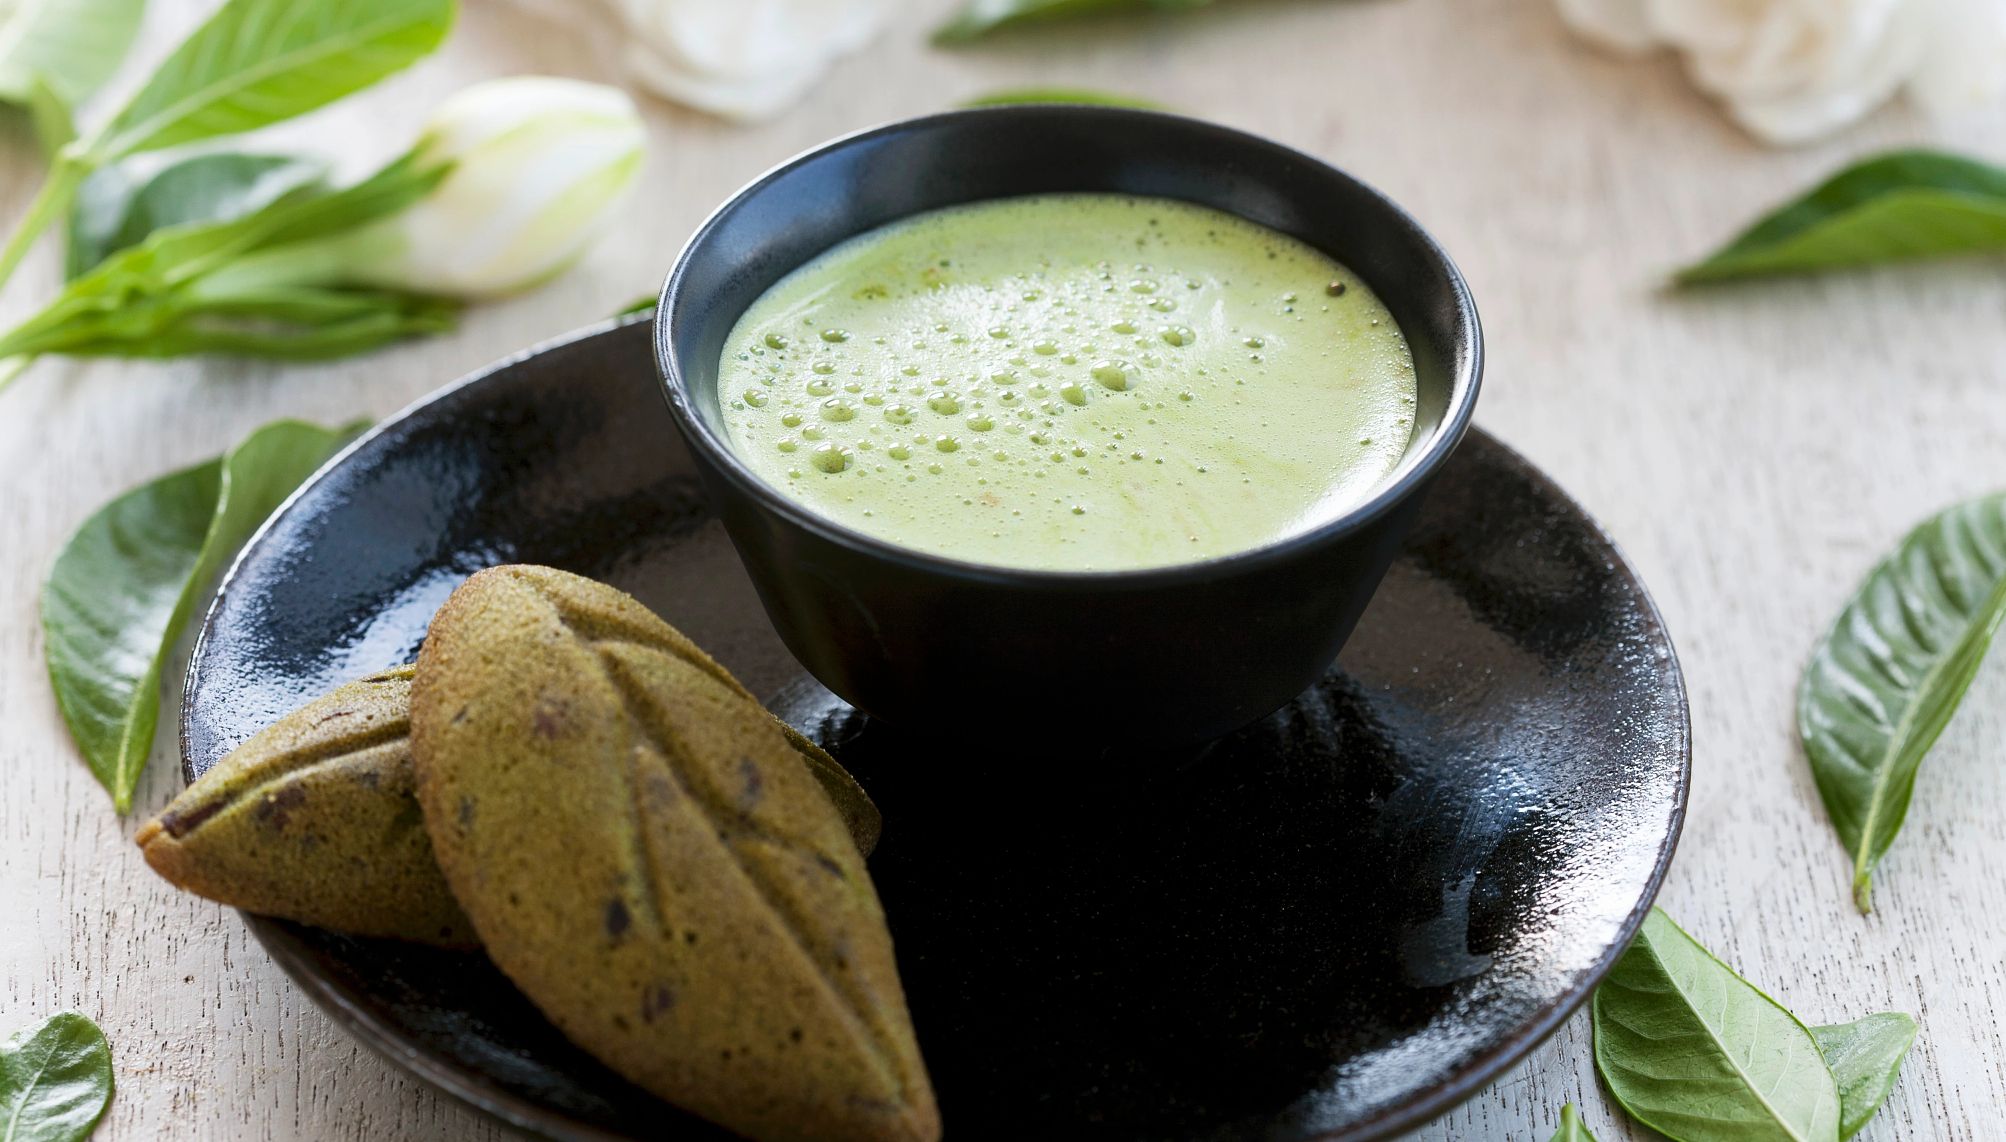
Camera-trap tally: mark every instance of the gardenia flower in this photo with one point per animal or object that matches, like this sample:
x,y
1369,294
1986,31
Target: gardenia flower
x,y
1794,70
741,59
538,164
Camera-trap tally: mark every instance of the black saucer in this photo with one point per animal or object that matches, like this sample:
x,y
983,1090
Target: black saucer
x,y
1334,924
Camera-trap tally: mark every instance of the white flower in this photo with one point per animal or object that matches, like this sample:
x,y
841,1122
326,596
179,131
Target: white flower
x,y
744,59
538,165
1794,70
740,59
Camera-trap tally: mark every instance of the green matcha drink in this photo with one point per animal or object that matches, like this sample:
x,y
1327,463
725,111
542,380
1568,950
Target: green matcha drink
x,y
1071,382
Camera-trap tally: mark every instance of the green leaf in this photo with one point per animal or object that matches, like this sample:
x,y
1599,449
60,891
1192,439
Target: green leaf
x,y
127,582
67,171
168,280
1866,1058
71,45
1885,680
254,63
303,217
1693,1051
378,319
1018,95
1571,1129
644,304
308,305
55,124
977,18
259,62
1897,207
118,208
55,1081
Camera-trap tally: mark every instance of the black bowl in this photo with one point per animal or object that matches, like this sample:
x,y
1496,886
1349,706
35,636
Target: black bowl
x,y
1164,655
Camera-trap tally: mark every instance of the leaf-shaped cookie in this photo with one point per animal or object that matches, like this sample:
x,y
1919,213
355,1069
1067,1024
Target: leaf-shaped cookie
x,y
642,852
316,819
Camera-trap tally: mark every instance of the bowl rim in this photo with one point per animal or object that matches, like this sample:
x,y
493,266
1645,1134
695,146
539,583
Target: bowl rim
x,y
1413,474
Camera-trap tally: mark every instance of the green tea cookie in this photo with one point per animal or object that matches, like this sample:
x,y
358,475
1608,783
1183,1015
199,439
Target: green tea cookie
x,y
642,852
315,819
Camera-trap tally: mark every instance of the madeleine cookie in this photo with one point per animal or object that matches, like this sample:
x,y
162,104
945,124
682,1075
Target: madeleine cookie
x,y
643,853
315,819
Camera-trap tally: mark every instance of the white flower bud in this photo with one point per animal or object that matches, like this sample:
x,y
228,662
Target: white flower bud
x,y
538,165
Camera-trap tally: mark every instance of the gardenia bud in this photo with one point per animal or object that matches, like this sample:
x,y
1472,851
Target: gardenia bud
x,y
538,165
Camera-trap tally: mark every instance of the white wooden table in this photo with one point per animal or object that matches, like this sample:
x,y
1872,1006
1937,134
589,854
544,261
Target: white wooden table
x,y
1754,450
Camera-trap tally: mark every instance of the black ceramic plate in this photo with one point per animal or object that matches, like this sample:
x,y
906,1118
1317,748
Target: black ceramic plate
x,y
1335,924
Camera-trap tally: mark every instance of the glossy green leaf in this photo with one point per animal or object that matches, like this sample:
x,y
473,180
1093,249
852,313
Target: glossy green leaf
x,y
302,217
1083,95
644,304
302,324
1571,1128
118,207
55,1081
127,582
978,18
373,320
1865,1057
259,62
1693,1051
1897,207
1886,679
71,45
139,300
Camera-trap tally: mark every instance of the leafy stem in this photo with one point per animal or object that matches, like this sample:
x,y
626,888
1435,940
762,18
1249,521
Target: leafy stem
x,y
257,284
251,64
51,204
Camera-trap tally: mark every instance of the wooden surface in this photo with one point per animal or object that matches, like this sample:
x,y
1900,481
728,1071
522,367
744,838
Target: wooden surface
x,y
1753,450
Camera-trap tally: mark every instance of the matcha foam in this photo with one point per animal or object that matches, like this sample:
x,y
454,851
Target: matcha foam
x,y
1071,382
